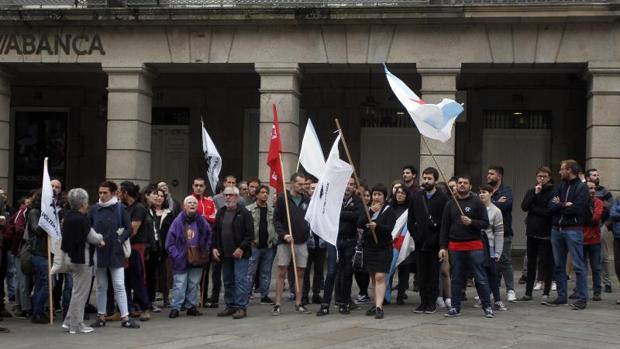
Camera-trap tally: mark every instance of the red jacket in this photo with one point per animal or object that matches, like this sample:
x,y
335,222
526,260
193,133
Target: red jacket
x,y
206,207
592,233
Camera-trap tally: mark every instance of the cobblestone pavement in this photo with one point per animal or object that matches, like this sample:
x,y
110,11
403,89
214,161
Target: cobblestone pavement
x,y
524,325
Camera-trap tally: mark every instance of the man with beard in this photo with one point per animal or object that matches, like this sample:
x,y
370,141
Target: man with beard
x,y
424,223
502,198
568,207
410,178
538,231
461,235
605,196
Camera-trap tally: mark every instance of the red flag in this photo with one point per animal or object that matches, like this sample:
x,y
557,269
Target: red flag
x,y
273,158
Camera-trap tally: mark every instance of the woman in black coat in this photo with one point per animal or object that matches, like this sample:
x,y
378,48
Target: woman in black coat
x,y
378,255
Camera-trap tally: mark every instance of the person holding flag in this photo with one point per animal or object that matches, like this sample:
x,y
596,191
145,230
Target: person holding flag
x,y
378,255
403,246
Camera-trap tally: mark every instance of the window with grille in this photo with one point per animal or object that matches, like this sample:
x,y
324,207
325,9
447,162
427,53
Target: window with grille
x,y
519,119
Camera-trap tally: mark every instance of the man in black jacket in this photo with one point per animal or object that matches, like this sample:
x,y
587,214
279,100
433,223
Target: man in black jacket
x,y
233,236
461,235
298,233
424,223
502,198
568,205
538,232
341,273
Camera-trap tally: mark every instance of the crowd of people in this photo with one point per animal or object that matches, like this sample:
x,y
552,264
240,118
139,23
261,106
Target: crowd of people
x,y
141,251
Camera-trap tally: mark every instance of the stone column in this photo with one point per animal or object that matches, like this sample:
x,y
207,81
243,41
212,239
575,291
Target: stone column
x,y
603,123
438,83
5,130
128,154
279,85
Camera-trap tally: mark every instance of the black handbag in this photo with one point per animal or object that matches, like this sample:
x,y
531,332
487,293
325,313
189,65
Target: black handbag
x,y
358,256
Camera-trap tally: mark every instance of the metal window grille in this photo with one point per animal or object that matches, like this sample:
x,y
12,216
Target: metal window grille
x,y
517,119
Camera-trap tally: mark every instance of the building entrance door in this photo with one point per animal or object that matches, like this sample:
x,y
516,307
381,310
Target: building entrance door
x,y
170,157
520,152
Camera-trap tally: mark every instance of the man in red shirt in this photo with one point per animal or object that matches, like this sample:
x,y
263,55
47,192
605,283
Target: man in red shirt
x,y
592,242
206,206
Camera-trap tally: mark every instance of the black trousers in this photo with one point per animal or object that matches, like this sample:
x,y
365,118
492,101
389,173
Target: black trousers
x,y
216,281
617,257
428,276
316,258
156,276
135,284
344,270
539,253
3,270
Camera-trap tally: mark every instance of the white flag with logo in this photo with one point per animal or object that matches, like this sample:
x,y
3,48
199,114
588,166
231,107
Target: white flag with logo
x,y
323,213
311,154
212,157
432,120
49,213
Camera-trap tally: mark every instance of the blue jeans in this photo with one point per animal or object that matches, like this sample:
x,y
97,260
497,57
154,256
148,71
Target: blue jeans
x,y
593,254
236,288
261,261
460,263
185,288
564,242
40,291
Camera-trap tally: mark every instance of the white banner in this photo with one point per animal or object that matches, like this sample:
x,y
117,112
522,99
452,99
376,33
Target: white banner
x,y
49,212
323,213
311,154
212,157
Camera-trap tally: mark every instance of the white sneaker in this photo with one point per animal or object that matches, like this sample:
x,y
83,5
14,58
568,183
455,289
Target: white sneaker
x,y
83,329
440,303
448,303
538,286
544,300
511,296
477,302
554,287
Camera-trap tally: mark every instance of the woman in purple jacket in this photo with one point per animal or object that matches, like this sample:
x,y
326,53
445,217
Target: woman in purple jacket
x,y
189,229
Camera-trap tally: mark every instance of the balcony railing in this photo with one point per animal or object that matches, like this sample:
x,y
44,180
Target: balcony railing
x,y
35,4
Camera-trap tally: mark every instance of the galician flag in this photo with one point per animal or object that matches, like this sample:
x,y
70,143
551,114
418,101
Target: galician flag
x,y
432,120
323,213
311,154
276,177
212,157
49,214
402,247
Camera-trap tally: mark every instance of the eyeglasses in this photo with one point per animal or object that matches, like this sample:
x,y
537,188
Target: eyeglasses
x,y
229,195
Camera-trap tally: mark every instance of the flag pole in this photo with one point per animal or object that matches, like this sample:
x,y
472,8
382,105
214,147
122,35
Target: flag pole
x,y
357,180
202,289
290,231
49,279
443,177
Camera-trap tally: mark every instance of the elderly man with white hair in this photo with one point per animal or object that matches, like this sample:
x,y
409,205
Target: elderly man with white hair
x,y
188,245
232,245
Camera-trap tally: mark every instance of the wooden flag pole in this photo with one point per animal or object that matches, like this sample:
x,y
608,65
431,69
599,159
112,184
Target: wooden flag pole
x,y
357,180
290,230
202,289
443,177
49,279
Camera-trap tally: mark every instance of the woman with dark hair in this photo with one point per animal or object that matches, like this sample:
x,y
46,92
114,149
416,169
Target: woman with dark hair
x,y
109,218
400,204
378,255
38,247
156,271
142,228
361,277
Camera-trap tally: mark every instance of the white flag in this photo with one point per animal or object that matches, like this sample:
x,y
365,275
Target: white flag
x,y
212,157
49,212
311,155
403,242
432,120
323,213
